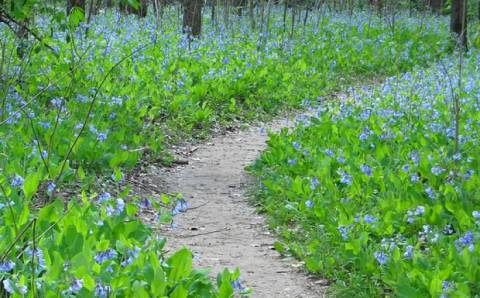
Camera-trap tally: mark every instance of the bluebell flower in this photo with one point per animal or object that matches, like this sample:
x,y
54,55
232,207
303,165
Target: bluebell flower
x,y
329,152
414,178
381,257
430,193
367,170
369,219
6,266
50,187
345,178
145,203
415,157
104,197
8,286
341,159
408,252
237,285
296,145
476,214
17,181
468,174
292,161
343,231
314,183
101,136
109,210
40,260
105,255
120,206
406,168
446,285
181,206
467,240
365,134
102,291
76,286
309,204
419,211
437,170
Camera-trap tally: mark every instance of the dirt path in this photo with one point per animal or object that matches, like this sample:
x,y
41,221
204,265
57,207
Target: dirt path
x,y
221,228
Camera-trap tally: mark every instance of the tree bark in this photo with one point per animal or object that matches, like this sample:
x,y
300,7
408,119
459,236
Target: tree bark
x,y
458,21
192,17
436,6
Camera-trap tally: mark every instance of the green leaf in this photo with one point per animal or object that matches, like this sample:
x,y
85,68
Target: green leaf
x,y
181,266
30,186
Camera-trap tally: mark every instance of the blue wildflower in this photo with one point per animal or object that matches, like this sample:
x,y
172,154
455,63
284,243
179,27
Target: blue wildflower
x,y
50,187
145,203
369,219
237,285
8,286
437,170
381,257
102,291
120,206
329,152
314,183
104,197
430,193
101,136
296,145
309,204
17,181
408,252
467,240
414,178
181,206
6,266
345,178
292,161
343,231
367,170
105,255
419,211
76,286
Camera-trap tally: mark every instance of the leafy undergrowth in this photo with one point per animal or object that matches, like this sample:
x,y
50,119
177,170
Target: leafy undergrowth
x,y
372,193
87,113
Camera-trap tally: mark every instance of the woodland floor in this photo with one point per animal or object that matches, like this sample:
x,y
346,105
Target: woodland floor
x,y
220,227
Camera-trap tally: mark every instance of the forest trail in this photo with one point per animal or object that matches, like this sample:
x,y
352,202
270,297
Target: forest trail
x,y
220,227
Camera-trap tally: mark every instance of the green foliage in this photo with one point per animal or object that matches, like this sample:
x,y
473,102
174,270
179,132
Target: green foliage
x,y
77,118
372,193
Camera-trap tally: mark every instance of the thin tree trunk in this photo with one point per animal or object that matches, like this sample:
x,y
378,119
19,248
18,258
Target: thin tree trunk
x,y
458,21
251,14
214,14
192,17
226,14
294,10
285,10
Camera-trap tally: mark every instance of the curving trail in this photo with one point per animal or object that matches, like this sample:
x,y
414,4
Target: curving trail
x,y
221,228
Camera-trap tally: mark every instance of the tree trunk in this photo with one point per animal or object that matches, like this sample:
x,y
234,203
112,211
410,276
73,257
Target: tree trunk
x,y
75,3
250,13
436,6
214,13
192,17
458,21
